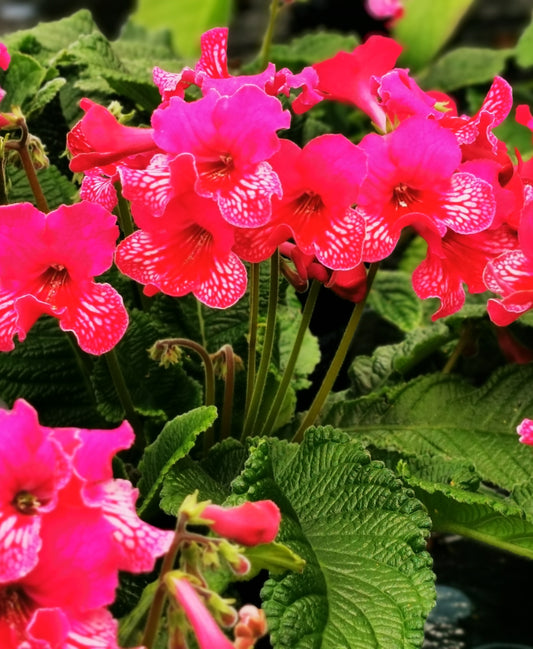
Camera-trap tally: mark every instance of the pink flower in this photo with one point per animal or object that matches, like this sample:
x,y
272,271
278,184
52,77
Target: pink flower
x,y
188,248
207,631
413,180
384,8
48,262
248,524
231,139
5,58
525,431
99,140
349,77
87,531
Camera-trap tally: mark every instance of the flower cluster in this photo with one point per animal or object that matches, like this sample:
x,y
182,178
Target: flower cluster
x,y
212,184
66,529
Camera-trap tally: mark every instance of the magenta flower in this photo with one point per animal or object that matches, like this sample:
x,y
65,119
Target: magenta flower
x,y
47,266
248,524
188,248
349,77
5,59
231,139
86,530
384,8
525,431
208,633
413,180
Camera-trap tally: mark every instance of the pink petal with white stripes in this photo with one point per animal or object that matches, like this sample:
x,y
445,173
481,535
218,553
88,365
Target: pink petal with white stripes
x,y
98,189
499,100
257,244
19,545
95,629
98,319
340,245
248,203
150,187
379,242
225,285
213,61
138,543
509,272
435,278
469,205
8,321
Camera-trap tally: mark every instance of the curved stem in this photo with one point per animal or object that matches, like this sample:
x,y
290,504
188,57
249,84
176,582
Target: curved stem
x,y
124,396
268,343
337,361
252,334
291,363
209,372
227,408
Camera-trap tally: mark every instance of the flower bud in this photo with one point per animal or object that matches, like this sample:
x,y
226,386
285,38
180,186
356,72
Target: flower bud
x,y
248,524
525,430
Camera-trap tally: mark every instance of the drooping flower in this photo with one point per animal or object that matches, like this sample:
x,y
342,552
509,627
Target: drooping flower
x,y
207,632
231,147
47,267
187,249
413,179
87,529
248,524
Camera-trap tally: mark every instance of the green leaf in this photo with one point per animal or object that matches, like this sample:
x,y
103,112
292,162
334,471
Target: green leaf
x,y
57,188
274,557
480,515
174,442
187,24
22,80
46,371
524,47
44,96
389,362
368,581
425,27
465,66
211,477
443,414
392,296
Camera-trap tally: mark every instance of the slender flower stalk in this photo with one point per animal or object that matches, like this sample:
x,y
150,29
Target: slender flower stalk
x,y
338,359
268,343
229,389
264,53
252,335
291,363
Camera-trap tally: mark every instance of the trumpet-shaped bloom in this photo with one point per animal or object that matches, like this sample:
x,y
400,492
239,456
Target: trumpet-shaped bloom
x,y
413,180
231,139
86,527
186,249
47,266
248,524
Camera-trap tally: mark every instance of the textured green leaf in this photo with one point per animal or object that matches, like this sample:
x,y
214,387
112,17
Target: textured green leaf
x,y
367,581
212,476
44,96
484,516
142,93
46,371
57,188
392,296
92,50
187,24
524,47
425,27
465,66
173,443
392,362
22,80
443,414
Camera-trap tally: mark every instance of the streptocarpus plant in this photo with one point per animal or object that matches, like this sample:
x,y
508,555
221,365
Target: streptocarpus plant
x,y
232,203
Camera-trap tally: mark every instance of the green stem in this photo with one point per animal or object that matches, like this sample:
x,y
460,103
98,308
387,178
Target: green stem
x,y
156,608
227,407
338,360
31,174
209,376
252,334
124,396
264,53
124,215
465,339
291,363
83,366
201,322
268,343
